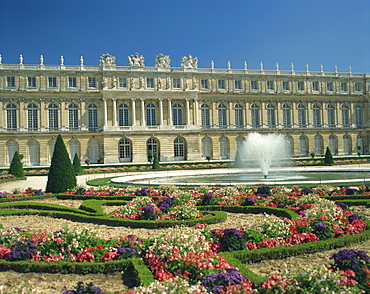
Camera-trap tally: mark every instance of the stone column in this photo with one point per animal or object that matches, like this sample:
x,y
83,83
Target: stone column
x,y
133,109
169,111
114,123
231,116
143,111
247,118
295,114
324,121
196,113
105,112
187,111
160,111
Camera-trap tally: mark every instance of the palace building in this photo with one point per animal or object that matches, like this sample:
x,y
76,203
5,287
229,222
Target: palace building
x,y
115,114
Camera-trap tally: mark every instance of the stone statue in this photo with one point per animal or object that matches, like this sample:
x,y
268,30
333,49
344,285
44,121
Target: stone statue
x,y
141,82
1,59
107,59
169,84
245,65
195,84
228,64
212,64
136,60
162,61
61,60
349,68
261,66
292,66
186,84
159,83
114,83
132,83
335,68
189,62
20,59
307,68
321,68
277,66
81,61
105,83
41,60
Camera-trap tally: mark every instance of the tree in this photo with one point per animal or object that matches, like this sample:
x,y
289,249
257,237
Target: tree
x,y
16,166
156,164
77,164
328,157
61,175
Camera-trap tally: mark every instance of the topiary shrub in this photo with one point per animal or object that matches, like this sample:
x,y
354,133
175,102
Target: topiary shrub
x,y
77,164
61,175
16,166
328,157
156,164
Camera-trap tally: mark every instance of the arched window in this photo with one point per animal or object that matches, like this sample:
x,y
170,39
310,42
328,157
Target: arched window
x,y
346,144
287,113
239,143
72,116
179,149
224,148
177,114
222,117
11,117
12,147
94,151
74,148
316,115
255,115
151,115
345,115
302,116
360,147
205,115
123,119
125,152
93,118
303,150
53,116
271,116
32,117
239,118
318,145
152,147
33,151
359,120
331,116
206,147
332,144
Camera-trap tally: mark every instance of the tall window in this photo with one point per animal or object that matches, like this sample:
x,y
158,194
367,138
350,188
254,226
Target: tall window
x,y
152,146
31,82
332,144
344,87
11,117
239,143
303,145
92,117
270,85
151,117
10,82
346,145
206,147
221,84
93,150
32,117
72,82
287,122
316,115
318,145
224,148
122,82
179,149
301,115
329,86
331,116
204,84
149,82
255,115
357,87
345,115
72,116
123,115
92,82
12,147
53,116
238,84
359,120
205,115
177,115
254,85
125,152
222,117
360,143
271,122
74,148
286,86
176,83
33,152
300,86
52,82
315,86
239,121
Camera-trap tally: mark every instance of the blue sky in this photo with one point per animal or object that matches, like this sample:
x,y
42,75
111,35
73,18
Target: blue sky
x,y
328,32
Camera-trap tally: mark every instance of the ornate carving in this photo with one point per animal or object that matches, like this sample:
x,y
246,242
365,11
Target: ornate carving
x,y
162,61
189,62
107,59
136,60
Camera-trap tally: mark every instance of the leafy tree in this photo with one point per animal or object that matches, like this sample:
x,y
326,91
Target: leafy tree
x,y
77,164
61,175
16,166
156,164
328,157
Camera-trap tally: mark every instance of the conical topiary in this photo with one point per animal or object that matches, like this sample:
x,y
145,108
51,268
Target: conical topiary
x,y
156,164
16,166
328,157
77,164
61,175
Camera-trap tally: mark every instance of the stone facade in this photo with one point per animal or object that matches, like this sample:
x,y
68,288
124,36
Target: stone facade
x,y
115,114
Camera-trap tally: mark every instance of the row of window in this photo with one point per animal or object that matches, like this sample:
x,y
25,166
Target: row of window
x,y
176,84
178,117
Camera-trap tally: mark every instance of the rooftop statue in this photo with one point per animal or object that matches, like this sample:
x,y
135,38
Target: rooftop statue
x,y
136,60
107,59
189,62
162,61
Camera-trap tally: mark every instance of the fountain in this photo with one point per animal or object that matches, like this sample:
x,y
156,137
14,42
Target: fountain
x,y
264,151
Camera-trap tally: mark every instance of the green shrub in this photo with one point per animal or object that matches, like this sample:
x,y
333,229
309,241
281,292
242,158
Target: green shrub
x,y
328,157
16,166
77,164
61,175
156,164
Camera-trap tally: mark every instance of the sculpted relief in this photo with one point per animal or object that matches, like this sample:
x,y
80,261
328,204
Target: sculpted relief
x,y
189,62
162,61
136,60
107,59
